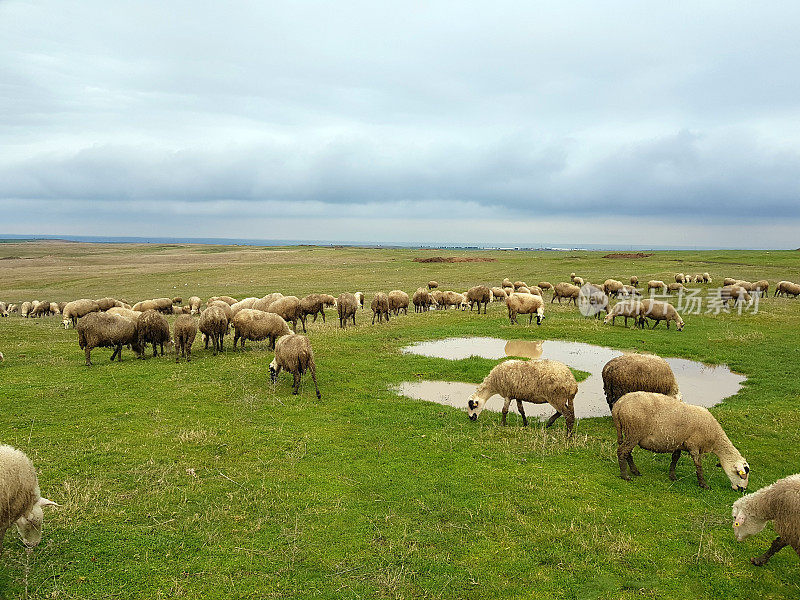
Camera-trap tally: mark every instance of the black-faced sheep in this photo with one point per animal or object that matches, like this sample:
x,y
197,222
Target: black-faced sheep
x,y
214,325
565,290
638,373
634,281
294,353
661,311
432,285
347,306
153,328
479,294
380,307
21,502
183,332
102,330
779,503
664,424
398,300
538,382
423,300
525,304
257,325
630,309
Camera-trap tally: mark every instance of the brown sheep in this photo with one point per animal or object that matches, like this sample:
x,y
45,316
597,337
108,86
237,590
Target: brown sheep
x,y
99,329
106,303
734,294
612,287
423,300
398,300
214,325
346,306
566,290
638,373
787,288
184,331
657,285
432,285
634,281
478,294
264,303
545,285
674,287
380,307
519,284
761,287
294,353
153,328
288,308
507,283
538,382
729,281
162,305
314,304
257,325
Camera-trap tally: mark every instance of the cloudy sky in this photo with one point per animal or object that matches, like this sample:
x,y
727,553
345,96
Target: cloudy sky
x,y
618,123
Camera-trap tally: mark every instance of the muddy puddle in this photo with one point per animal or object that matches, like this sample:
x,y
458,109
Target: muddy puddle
x,y
700,384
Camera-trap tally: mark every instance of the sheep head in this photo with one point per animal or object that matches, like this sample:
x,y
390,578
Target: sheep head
x,y
475,406
745,525
738,472
30,524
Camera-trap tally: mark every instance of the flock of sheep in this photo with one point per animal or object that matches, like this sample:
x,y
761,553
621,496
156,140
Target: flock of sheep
x,y
641,390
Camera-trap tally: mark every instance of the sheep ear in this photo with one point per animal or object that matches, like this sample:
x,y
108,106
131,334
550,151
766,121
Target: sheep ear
x,y
45,502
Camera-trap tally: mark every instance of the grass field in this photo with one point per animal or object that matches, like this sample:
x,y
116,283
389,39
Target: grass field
x,y
205,480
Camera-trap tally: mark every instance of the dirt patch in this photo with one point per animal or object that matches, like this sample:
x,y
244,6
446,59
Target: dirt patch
x,y
628,255
454,259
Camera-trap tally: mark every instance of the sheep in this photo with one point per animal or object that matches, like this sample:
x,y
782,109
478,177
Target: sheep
x,y
346,306
76,309
572,276
538,382
638,373
194,304
124,312
656,285
661,311
779,503
663,424
733,294
747,285
578,281
21,502
525,304
612,287
25,309
54,309
359,298
225,307
566,290
729,281
634,280
153,328
437,296
706,278
294,353
507,283
680,278
519,284
106,303
523,290
214,325
245,303
629,309
288,308
314,304
674,287
99,329
257,325
498,294
226,299
162,305
784,288
3,309
184,331
432,285
761,287
13,308
450,298
380,307
593,300
479,294
398,300
508,290
40,309
545,285
264,303
628,291
423,300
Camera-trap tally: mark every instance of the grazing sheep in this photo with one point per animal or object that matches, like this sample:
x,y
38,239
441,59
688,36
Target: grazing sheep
x,y
245,303
523,290
545,285
21,502
194,304
592,300
39,309
784,288
519,284
450,298
572,276
226,299
628,291
398,300
779,503
612,287
359,298
437,298
423,300
25,309
656,285
3,309
507,283
124,312
761,287
257,325
294,353
634,281
664,424
102,330
13,308
346,306
630,309
578,281
106,303
214,325
265,302
432,285
498,294
661,311
479,294
680,278
706,278
380,307
638,373
162,305
566,290
225,307
747,285
54,309
183,332
288,308
734,294
153,328
538,382
76,309
729,281
525,304
674,287
314,304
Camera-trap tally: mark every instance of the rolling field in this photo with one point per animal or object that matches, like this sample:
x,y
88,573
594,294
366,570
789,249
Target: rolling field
x,y
204,480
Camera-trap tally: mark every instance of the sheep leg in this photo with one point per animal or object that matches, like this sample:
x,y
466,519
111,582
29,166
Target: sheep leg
x,y
506,404
569,415
522,413
296,383
530,318
675,457
698,463
117,349
155,349
759,561
322,312
624,459
88,353
303,321
552,419
313,370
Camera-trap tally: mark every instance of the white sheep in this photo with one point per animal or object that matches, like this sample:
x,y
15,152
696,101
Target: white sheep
x,y
780,503
21,502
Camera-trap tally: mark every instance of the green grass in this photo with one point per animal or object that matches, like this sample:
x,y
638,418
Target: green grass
x,y
205,480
